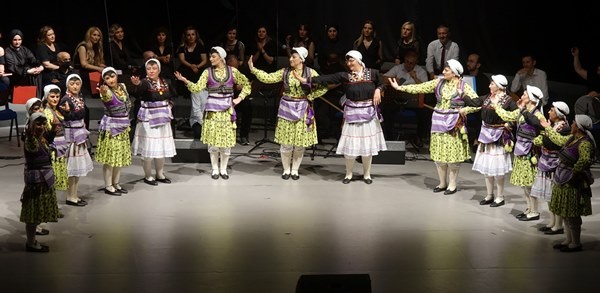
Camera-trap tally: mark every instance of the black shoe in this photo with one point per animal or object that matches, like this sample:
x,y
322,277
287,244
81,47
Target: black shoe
x,y
42,232
526,218
225,176
368,180
214,176
285,176
164,180
439,189
295,176
448,191
544,229
122,190
560,246
497,204
244,141
43,248
150,182
572,249
79,203
116,192
554,232
521,215
346,180
486,201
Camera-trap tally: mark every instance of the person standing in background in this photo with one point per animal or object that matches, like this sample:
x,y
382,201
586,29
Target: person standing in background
x,y
440,50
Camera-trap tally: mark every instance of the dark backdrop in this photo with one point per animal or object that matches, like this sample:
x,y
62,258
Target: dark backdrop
x,y
501,31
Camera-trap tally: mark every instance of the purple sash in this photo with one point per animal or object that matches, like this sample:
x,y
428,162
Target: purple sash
x,y
116,125
548,160
155,113
218,104
359,111
292,109
443,121
60,145
490,134
75,131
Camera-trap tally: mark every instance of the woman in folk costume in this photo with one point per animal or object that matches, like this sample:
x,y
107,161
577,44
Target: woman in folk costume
x,y
114,148
542,185
493,156
38,200
449,144
525,152
296,129
361,132
153,138
219,122
571,192
56,130
79,162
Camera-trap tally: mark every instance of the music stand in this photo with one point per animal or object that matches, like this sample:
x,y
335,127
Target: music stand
x,y
265,91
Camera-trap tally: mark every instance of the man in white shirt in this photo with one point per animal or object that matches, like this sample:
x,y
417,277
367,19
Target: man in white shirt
x,y
439,51
406,73
529,75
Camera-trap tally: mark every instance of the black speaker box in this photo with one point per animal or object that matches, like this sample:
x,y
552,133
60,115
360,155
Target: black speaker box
x,y
341,283
190,151
394,155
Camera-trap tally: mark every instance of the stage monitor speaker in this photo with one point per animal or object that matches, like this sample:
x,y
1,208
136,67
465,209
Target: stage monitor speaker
x,y
190,151
340,283
394,155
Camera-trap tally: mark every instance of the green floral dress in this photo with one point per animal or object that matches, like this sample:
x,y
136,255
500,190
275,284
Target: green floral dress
x,y
296,133
453,146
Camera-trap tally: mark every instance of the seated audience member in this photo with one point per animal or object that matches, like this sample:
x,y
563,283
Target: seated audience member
x,y
406,73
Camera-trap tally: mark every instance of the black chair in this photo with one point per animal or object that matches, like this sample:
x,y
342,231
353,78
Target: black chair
x,y
9,114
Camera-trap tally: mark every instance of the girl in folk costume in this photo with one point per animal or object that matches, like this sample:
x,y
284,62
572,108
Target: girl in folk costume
x,y
525,152
114,148
219,125
56,130
296,129
449,144
542,185
571,192
361,133
79,162
38,200
153,139
493,156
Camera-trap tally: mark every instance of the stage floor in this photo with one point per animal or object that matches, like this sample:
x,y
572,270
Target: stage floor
x,y
258,233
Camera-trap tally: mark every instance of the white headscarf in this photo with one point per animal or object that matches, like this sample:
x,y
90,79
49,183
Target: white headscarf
x,y
356,55
561,109
30,103
302,52
500,81
221,52
455,66
154,60
108,69
48,88
584,122
535,94
71,76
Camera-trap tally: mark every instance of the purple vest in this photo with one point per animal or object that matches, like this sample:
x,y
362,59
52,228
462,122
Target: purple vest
x,y
569,155
220,93
525,135
38,167
116,115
